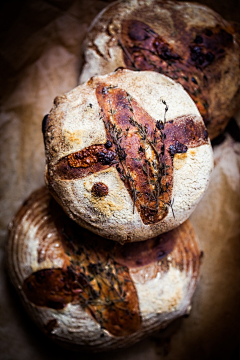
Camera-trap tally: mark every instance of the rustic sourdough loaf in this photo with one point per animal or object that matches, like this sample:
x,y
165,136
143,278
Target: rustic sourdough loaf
x,y
91,293
128,155
187,41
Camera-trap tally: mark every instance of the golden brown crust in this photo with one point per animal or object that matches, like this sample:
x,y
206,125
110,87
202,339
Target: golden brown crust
x,y
188,42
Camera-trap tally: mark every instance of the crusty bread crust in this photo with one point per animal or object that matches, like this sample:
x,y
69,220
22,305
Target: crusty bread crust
x,y
187,41
159,154
94,294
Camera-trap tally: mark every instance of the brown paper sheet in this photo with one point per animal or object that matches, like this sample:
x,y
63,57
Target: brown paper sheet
x,y
40,58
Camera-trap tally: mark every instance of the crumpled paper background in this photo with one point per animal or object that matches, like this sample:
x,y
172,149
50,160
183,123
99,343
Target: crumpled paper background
x,y
40,58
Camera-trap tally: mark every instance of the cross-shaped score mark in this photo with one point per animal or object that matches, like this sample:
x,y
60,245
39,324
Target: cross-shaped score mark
x,y
139,147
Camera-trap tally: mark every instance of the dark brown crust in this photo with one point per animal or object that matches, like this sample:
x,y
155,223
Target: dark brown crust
x,y
188,42
144,49
99,189
111,301
130,132
131,255
90,156
65,172
184,245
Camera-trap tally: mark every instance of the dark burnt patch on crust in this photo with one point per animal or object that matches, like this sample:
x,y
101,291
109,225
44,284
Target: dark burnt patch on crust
x,y
188,63
143,253
65,172
186,131
49,287
209,45
82,163
90,156
99,189
177,148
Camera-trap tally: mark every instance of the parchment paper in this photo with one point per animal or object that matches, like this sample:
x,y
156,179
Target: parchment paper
x,y
40,58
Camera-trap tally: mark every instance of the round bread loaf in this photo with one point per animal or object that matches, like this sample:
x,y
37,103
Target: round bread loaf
x,y
128,155
188,42
91,293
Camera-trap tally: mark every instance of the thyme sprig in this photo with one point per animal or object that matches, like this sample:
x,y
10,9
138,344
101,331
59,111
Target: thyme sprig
x,y
100,282
159,169
154,169
116,135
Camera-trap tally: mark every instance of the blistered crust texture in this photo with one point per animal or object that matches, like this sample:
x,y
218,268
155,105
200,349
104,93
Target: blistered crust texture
x,y
160,126
164,287
190,43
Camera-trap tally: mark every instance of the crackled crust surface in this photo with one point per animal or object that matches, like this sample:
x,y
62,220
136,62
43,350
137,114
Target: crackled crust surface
x,y
188,42
91,293
120,147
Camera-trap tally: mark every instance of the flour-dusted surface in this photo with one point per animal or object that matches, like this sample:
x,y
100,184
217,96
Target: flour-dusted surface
x,y
119,215
160,289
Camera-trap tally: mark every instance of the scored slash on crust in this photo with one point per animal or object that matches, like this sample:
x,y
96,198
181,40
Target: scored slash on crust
x,y
140,148
188,42
97,277
144,49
